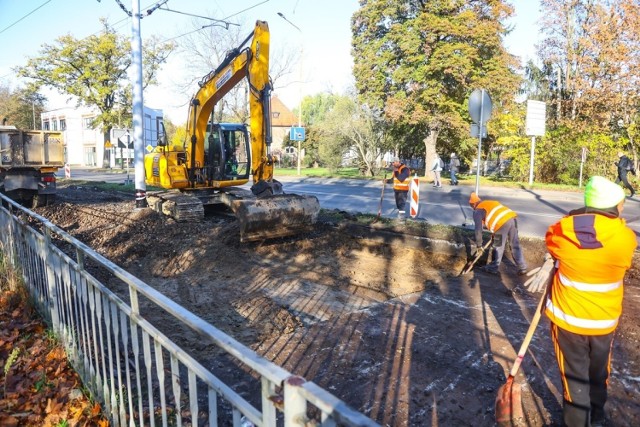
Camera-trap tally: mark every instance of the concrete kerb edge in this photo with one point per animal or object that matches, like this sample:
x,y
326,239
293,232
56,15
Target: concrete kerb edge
x,y
406,240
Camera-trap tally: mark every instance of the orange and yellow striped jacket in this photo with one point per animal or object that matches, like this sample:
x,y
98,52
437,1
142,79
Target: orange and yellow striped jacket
x,y
593,253
401,185
497,214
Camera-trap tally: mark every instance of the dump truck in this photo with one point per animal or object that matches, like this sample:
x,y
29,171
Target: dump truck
x,y
29,160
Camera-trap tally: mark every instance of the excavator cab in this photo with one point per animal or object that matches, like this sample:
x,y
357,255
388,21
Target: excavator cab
x,y
227,152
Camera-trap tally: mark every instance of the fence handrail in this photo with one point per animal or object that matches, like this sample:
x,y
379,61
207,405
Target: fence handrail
x,y
83,314
272,371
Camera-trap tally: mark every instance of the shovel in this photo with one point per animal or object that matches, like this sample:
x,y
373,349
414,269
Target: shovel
x,y
509,398
384,184
467,268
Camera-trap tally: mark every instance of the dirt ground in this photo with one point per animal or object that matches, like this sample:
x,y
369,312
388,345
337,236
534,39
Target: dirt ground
x,y
391,329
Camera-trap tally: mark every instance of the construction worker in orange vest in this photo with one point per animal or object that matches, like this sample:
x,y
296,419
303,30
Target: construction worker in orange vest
x,y
501,222
593,249
401,180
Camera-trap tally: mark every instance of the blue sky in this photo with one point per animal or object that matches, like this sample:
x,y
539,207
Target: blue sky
x,y
324,37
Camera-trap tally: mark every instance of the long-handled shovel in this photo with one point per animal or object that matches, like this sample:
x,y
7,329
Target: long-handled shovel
x,y
509,398
467,268
384,184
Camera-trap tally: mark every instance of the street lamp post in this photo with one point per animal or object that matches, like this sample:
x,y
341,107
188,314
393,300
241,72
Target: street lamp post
x,y
300,84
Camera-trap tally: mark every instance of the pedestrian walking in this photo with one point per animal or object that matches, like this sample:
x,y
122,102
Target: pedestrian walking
x,y
502,223
436,168
454,167
625,165
400,180
593,249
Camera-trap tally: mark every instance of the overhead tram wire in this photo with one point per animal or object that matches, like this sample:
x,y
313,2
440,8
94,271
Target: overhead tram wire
x,y
149,11
249,8
226,23
11,25
224,20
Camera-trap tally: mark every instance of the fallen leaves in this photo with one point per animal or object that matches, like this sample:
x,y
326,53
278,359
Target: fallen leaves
x,y
38,387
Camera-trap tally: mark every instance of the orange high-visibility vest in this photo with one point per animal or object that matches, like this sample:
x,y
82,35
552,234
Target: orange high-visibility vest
x,y
593,253
497,214
400,185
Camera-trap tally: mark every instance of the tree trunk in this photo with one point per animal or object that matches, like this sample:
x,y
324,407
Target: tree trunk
x,y
430,151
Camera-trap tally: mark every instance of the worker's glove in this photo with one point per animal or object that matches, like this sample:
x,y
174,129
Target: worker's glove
x,y
479,250
541,277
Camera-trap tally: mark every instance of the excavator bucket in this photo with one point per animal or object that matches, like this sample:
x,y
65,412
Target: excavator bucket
x,y
275,216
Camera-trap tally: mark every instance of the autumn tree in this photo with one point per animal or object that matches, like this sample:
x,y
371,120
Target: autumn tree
x,y
351,126
315,109
593,47
94,71
21,107
592,51
418,62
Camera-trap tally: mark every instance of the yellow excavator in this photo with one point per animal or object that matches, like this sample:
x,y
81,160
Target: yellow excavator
x,y
221,157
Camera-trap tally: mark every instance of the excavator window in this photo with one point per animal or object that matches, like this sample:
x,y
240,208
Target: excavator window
x,y
236,161
213,155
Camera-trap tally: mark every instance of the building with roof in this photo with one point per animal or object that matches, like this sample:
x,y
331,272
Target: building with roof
x,y
84,144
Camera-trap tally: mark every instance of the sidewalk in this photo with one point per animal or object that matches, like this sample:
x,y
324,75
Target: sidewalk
x,y
486,191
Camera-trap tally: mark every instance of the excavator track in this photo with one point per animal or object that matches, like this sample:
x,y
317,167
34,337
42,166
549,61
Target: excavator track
x,y
259,218
177,205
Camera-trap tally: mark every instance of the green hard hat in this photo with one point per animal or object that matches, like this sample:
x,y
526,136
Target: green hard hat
x,y
601,193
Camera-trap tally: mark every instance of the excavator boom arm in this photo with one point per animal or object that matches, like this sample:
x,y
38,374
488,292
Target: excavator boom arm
x,y
242,62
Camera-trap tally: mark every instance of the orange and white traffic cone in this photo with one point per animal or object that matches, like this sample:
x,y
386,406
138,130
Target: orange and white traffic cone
x,y
415,196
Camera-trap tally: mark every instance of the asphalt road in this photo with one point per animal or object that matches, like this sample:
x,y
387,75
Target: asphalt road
x,y
537,209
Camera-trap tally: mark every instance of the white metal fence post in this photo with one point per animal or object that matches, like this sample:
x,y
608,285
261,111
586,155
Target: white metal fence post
x,y
295,405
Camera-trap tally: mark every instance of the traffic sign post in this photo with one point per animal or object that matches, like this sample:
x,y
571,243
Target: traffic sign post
x,y
583,158
297,134
480,107
535,125
125,141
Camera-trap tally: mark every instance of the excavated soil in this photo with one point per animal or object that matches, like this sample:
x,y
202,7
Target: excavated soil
x,y
388,327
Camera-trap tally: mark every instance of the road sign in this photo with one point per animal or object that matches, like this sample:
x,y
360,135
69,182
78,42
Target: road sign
x,y
535,124
297,133
125,141
475,130
149,148
108,144
480,106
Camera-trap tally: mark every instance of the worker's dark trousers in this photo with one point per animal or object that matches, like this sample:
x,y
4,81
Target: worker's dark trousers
x,y
401,199
584,362
508,233
622,177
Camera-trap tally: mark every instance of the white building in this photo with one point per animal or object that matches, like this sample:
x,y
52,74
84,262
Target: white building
x,y
83,145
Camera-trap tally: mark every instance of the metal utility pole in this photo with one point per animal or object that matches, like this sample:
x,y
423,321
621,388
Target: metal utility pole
x,y
300,85
480,108
535,125
138,129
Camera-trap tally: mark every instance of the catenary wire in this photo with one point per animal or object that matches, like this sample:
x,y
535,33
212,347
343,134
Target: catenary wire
x,y
11,25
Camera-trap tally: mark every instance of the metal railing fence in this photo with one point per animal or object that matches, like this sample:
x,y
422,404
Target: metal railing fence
x,y
137,373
